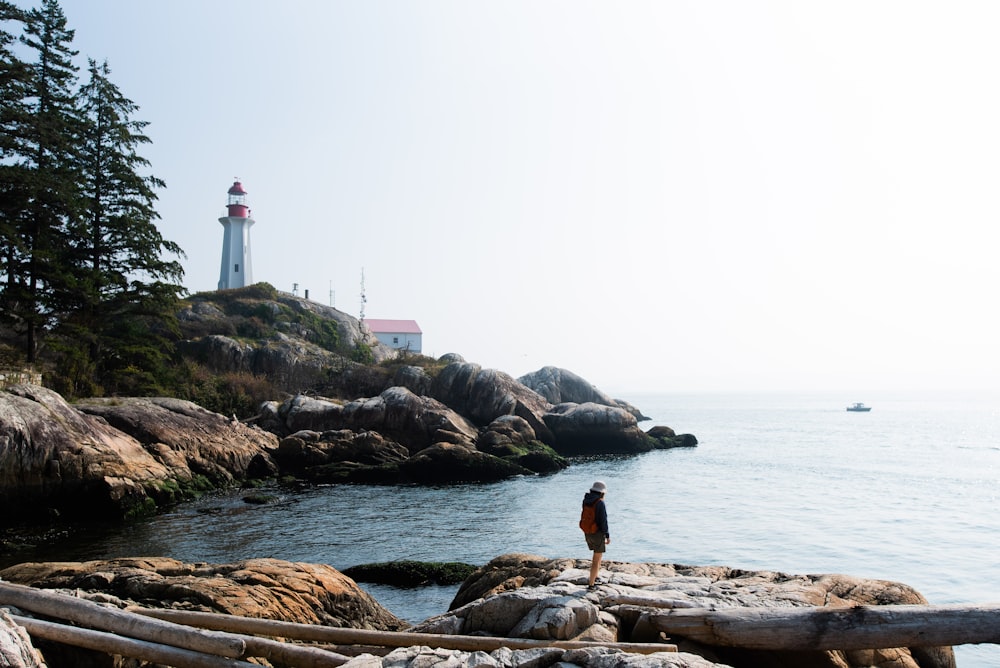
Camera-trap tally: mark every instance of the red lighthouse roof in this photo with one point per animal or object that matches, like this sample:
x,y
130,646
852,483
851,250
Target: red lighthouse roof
x,y
237,206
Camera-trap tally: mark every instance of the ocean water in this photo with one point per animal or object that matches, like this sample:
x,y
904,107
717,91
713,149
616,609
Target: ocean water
x,y
783,482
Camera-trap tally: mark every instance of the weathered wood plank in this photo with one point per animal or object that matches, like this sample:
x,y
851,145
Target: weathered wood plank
x,y
61,606
344,636
861,627
137,649
291,654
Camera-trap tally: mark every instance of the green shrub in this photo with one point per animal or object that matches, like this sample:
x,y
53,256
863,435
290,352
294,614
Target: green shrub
x,y
228,393
362,353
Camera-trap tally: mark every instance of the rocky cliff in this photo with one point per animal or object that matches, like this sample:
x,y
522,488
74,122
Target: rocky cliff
x,y
121,459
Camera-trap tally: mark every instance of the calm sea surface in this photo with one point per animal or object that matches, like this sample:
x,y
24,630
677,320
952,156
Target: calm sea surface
x,y
785,482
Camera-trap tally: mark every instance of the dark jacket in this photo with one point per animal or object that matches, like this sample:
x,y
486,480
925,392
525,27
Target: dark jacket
x,y
600,511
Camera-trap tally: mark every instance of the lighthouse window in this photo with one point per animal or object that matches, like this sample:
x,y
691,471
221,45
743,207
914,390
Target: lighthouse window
x,y
237,270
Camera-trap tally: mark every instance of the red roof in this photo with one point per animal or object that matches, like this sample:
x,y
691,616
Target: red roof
x,y
393,326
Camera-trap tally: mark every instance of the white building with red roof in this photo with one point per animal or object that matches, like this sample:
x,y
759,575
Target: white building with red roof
x,y
399,334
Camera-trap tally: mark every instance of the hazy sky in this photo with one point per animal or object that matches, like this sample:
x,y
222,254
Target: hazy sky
x,y
655,195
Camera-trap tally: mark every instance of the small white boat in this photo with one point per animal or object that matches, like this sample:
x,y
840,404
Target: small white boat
x,y
859,408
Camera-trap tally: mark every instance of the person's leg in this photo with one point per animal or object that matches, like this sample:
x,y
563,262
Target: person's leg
x,y
595,568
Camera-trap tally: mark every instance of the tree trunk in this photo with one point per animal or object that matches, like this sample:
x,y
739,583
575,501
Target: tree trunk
x,y
823,628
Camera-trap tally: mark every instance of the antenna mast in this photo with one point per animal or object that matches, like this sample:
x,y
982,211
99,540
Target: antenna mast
x,y
363,298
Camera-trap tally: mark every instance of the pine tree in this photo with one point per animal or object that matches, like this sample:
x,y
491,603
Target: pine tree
x,y
125,294
40,281
15,84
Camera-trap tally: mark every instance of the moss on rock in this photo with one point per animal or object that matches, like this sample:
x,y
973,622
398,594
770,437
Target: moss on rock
x,y
411,573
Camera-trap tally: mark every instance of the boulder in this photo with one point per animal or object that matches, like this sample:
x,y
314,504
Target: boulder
x,y
517,424
260,588
482,395
524,595
413,378
512,438
449,462
270,419
189,439
309,448
667,438
58,462
116,458
413,421
560,386
592,429
341,456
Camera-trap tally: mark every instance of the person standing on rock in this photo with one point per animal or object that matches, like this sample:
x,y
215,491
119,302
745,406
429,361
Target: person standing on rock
x,y
594,522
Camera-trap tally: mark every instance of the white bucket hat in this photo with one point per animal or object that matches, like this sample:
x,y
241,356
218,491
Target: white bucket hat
x,y
599,487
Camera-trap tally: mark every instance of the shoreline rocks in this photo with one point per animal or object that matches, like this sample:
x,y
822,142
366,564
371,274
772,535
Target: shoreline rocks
x,y
269,589
123,458
513,596
530,596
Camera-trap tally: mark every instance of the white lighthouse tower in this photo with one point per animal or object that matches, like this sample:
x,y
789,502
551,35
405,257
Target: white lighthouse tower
x,y
237,268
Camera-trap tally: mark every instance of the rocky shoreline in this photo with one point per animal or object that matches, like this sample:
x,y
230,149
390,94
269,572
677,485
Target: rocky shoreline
x,y
115,459
514,596
121,458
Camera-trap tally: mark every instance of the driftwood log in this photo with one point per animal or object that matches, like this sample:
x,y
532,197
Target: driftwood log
x,y
822,628
189,639
347,636
180,638
61,606
111,643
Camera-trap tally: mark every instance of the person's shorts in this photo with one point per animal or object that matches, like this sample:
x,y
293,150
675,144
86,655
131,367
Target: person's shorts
x,y
595,541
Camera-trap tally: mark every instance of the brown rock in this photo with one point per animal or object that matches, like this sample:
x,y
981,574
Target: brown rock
x,y
55,460
261,588
186,437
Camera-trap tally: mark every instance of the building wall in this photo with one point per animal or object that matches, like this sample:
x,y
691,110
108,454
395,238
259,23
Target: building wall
x,y
400,341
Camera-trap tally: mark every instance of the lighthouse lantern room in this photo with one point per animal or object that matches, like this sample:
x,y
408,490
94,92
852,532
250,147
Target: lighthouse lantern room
x,y
237,267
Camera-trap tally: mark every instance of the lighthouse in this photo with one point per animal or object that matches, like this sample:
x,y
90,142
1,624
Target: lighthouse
x,y
237,268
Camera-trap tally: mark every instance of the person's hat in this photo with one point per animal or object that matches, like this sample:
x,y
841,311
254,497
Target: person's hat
x,y
599,487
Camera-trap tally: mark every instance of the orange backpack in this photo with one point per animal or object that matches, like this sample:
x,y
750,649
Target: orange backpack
x,y
588,519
